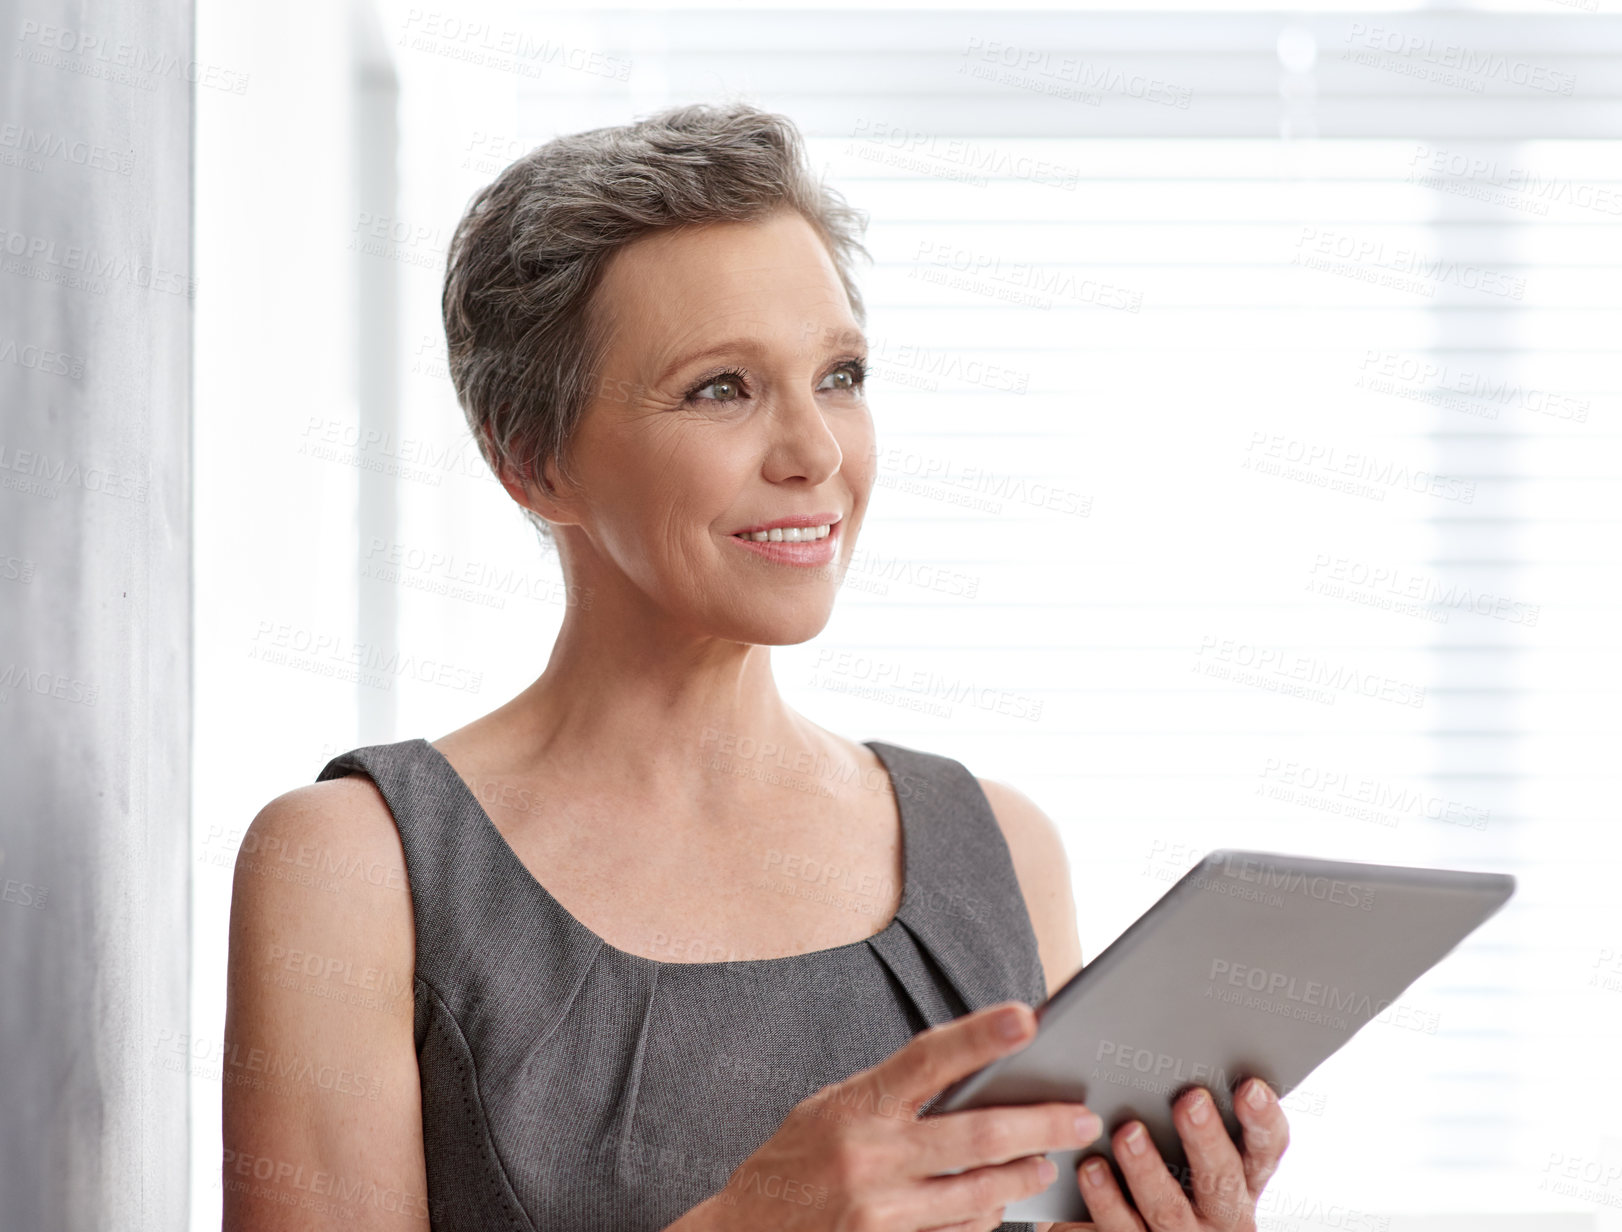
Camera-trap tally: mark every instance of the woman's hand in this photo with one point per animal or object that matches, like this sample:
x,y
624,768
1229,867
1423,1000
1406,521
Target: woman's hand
x,y
1225,1184
857,1157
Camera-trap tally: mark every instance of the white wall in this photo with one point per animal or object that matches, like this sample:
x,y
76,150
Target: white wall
x,y
95,615
277,475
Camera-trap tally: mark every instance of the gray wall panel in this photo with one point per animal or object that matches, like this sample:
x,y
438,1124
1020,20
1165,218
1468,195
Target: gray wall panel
x,y
95,624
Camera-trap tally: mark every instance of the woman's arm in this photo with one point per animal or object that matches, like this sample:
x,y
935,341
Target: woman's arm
x,y
322,1103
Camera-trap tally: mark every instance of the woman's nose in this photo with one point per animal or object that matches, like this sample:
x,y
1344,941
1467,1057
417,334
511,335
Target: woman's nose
x,y
802,444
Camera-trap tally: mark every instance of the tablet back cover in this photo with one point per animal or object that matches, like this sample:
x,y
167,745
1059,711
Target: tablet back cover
x,y
1255,963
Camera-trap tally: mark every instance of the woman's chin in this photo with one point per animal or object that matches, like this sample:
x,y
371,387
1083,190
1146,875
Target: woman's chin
x,y
785,626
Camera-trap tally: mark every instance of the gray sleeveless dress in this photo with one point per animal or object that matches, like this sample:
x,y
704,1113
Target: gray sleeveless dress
x,y
569,1086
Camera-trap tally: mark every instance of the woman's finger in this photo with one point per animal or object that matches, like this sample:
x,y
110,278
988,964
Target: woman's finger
x,y
1159,1198
1267,1132
982,1192
939,1055
1221,1194
1105,1202
972,1138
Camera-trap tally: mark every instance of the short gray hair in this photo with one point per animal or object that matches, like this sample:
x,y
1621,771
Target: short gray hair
x,y
525,347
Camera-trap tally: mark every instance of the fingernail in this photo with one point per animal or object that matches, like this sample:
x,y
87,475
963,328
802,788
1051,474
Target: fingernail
x,y
1136,1139
1047,1170
1093,1170
1010,1024
1199,1108
1088,1127
1257,1095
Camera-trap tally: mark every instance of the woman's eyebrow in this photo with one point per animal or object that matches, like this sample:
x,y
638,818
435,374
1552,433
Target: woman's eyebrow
x,y
852,338
753,346
733,346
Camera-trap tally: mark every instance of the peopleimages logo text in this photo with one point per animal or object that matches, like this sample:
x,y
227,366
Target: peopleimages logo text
x,y
1163,1065
1289,881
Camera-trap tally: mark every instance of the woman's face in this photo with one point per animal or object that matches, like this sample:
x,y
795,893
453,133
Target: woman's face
x,y
731,397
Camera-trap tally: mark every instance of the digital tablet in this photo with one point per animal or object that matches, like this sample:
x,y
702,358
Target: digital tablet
x,y
1253,964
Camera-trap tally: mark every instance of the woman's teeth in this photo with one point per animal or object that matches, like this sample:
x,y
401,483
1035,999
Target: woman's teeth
x,y
788,534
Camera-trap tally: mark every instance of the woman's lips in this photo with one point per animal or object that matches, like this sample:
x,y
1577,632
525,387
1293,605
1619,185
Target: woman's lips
x,y
806,552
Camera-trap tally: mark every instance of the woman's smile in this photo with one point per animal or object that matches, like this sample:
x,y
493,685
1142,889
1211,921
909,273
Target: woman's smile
x,y
802,540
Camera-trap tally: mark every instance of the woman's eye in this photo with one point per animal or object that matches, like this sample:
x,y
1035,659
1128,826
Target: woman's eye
x,y
728,386
853,374
726,381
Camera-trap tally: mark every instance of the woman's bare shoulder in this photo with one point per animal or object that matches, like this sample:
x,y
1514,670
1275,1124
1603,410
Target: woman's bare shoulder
x,y
320,992
338,828
1043,871
328,855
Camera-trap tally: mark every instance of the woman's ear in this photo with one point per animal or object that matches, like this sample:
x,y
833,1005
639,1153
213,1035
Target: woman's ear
x,y
547,493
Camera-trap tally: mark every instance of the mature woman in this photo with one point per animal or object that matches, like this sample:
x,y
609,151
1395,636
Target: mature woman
x,y
643,948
